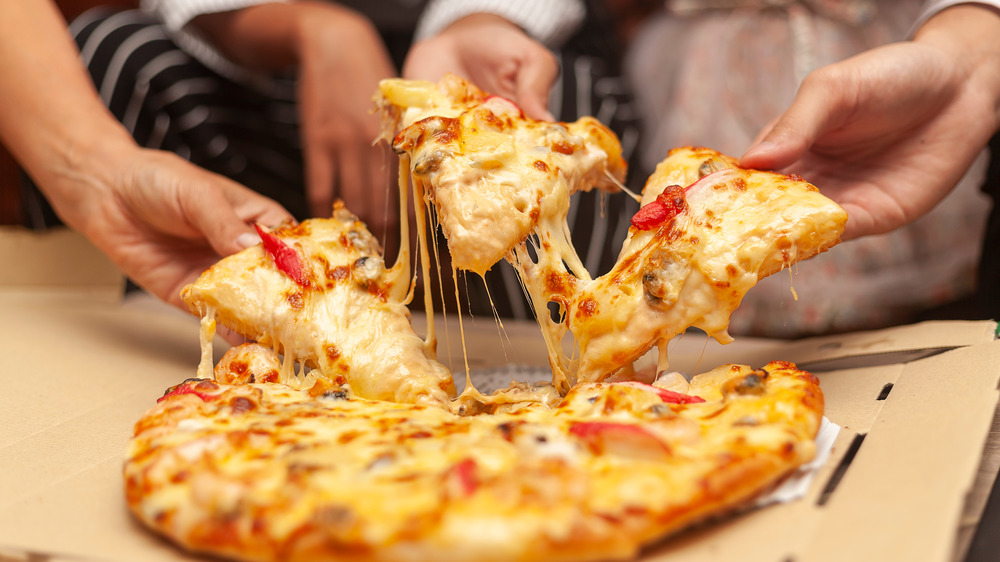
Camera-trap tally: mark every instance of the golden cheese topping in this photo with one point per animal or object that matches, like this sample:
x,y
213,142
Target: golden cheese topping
x,y
265,472
492,173
339,310
689,264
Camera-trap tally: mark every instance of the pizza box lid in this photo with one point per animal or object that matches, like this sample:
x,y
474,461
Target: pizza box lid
x,y
82,363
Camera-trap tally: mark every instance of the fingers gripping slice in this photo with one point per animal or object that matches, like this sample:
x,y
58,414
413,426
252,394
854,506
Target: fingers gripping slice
x,y
319,293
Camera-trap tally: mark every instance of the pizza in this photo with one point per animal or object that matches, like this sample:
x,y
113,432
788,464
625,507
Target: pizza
x,y
336,434
707,230
265,471
304,290
492,175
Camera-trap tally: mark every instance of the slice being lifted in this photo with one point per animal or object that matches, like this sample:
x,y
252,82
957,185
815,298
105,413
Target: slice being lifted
x,y
706,233
500,183
493,175
319,293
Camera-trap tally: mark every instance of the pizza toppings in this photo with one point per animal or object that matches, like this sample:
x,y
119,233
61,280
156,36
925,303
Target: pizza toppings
x,y
365,452
462,477
665,207
284,256
202,388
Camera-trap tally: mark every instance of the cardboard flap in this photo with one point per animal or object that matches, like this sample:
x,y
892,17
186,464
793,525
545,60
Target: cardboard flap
x,y
56,260
694,353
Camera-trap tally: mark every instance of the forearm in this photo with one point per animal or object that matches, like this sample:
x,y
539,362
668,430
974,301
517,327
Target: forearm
x,y
271,36
52,120
971,33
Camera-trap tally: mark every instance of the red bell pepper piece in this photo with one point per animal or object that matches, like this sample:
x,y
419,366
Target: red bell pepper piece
x,y
286,258
463,475
666,206
198,387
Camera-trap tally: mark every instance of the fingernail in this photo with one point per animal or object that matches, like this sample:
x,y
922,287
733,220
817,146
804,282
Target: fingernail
x,y
247,239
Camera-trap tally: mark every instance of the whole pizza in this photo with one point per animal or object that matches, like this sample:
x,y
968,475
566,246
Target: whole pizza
x,y
337,435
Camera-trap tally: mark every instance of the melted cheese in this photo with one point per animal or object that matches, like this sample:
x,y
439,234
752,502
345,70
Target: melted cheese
x,y
739,226
493,174
500,182
286,471
348,323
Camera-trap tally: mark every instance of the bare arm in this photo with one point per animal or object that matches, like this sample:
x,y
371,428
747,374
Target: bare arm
x,y
340,59
159,218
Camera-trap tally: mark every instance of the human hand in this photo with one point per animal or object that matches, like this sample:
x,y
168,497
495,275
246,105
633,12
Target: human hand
x,y
522,71
341,61
162,220
888,133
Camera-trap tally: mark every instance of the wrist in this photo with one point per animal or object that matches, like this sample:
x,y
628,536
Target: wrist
x,y
970,36
82,169
262,37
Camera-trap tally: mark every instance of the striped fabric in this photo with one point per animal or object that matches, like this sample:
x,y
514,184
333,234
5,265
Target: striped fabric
x,y
170,101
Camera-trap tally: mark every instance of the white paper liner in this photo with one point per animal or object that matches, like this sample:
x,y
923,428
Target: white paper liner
x,y
796,485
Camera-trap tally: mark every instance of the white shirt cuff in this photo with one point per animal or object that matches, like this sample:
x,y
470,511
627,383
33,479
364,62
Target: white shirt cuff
x,y
548,21
175,14
933,7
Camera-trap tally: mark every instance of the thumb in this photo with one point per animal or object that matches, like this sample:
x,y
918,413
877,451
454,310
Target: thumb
x,y
533,84
793,133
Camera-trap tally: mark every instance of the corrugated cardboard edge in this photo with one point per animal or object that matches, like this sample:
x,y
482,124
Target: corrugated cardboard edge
x,y
902,496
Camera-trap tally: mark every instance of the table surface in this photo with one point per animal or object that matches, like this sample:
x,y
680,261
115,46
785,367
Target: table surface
x,y
149,320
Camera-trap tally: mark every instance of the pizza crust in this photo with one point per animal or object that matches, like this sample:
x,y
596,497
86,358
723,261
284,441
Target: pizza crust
x,y
365,452
262,471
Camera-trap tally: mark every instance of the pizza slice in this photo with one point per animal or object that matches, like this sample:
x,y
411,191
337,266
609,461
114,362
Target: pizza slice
x,y
319,293
706,233
494,176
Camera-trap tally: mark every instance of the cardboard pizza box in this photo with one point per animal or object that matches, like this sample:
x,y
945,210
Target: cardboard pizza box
x,y
82,362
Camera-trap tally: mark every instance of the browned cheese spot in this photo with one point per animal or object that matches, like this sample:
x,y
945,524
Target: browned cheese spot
x,y
587,308
332,352
242,405
302,230
339,273
492,119
180,476
541,166
270,376
563,147
348,436
206,385
449,131
295,300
